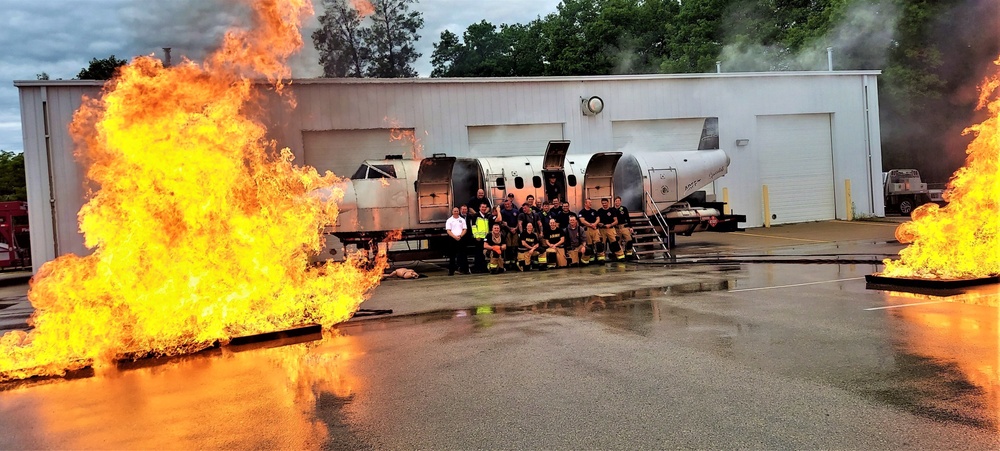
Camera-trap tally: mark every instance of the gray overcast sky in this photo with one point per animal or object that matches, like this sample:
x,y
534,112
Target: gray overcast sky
x,y
59,37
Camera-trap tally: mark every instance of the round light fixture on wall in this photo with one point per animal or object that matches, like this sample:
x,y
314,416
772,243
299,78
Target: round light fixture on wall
x,y
592,106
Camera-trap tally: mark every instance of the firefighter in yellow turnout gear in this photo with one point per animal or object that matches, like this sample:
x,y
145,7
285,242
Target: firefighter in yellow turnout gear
x,y
624,227
494,247
608,218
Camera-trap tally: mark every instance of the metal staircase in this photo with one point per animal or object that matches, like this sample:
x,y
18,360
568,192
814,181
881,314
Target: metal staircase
x,y
651,237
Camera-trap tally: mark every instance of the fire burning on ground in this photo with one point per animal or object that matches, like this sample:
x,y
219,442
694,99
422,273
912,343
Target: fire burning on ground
x,y
201,231
962,239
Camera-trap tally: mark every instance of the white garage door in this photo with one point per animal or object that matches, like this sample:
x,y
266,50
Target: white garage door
x,y
658,134
502,140
796,164
342,151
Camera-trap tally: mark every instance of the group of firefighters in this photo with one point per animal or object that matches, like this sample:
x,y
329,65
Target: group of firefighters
x,y
531,236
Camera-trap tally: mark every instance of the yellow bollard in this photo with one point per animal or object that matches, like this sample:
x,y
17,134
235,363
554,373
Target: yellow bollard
x,y
847,199
725,200
767,207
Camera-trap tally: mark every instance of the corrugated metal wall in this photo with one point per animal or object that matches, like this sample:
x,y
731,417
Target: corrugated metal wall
x,y
440,111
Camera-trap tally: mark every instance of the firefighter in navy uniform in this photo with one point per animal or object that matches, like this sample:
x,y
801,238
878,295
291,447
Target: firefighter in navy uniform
x,y
576,244
509,227
624,227
564,214
608,218
588,218
528,248
554,243
554,190
494,247
545,215
480,199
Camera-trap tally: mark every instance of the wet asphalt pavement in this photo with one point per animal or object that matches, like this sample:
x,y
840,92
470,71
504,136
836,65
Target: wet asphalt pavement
x,y
761,356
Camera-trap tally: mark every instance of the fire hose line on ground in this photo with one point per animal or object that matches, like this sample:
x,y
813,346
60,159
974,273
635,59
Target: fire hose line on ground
x,y
758,260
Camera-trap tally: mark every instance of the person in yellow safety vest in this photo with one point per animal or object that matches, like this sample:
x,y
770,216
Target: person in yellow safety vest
x,y
480,224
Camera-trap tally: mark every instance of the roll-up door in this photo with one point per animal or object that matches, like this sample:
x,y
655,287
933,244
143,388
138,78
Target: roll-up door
x,y
657,134
796,164
505,140
343,151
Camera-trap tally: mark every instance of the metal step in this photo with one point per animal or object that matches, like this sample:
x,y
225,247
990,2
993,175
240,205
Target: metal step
x,y
651,252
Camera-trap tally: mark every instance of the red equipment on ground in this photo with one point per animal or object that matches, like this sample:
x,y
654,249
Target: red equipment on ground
x,y
15,245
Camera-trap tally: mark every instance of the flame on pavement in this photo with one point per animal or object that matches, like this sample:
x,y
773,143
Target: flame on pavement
x,y
199,229
962,239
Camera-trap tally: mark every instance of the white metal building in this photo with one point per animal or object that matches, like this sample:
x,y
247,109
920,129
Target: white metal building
x,y
803,135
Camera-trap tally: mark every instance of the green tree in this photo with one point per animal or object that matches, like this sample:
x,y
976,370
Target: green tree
x,y
342,53
583,37
695,37
570,45
390,39
377,43
12,182
101,69
448,52
486,51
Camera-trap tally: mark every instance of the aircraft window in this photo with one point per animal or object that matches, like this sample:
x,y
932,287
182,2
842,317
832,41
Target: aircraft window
x,y
382,171
537,181
361,173
571,179
518,182
501,183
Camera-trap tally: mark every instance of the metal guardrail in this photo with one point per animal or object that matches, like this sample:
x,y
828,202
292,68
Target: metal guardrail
x,y
659,219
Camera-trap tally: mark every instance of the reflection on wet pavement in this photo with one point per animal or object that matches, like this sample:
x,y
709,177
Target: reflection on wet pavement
x,y
936,361
948,365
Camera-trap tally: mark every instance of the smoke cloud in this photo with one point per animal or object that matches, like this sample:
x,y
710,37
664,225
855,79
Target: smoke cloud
x,y
863,35
194,29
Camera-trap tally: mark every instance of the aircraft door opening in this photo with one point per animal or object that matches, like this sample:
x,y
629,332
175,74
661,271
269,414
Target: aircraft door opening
x,y
553,170
598,181
466,180
630,183
434,189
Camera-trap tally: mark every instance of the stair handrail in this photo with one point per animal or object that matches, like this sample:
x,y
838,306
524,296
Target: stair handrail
x,y
659,218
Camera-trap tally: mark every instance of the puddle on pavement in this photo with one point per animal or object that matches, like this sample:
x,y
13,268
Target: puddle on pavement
x,y
580,304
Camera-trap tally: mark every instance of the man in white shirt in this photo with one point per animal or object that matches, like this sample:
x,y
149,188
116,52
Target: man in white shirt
x,y
456,227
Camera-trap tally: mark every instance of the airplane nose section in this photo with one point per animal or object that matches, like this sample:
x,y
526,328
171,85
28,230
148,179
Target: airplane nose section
x,y
342,193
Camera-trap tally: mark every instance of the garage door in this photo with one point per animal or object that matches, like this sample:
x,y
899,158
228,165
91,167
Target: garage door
x,y
502,140
658,134
796,164
342,151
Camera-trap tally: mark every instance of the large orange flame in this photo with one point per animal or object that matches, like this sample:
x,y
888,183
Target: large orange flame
x,y
200,230
962,239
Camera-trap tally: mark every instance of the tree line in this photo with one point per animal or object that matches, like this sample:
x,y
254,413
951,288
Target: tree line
x,y
930,64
